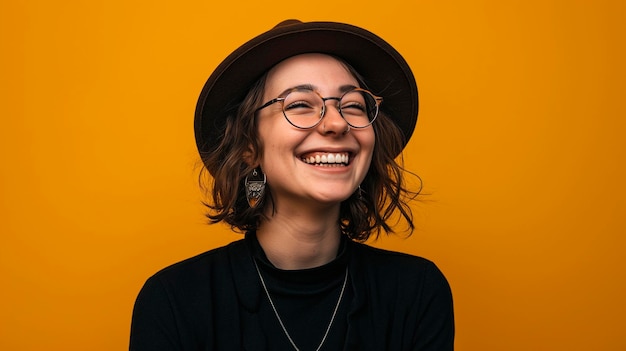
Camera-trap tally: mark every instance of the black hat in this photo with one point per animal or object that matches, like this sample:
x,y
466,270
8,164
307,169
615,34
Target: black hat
x,y
383,68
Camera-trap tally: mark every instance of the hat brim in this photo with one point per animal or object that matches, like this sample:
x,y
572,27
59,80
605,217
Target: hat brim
x,y
384,69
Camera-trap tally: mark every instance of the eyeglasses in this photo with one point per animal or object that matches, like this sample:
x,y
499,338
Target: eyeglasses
x,y
304,108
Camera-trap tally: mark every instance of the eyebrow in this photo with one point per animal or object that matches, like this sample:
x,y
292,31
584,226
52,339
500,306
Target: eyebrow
x,y
342,89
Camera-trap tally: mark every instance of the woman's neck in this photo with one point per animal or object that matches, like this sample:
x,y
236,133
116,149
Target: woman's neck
x,y
300,240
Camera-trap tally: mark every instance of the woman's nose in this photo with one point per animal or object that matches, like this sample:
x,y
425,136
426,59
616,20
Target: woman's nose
x,y
333,122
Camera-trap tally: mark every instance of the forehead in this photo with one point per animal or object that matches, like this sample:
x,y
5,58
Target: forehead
x,y
324,72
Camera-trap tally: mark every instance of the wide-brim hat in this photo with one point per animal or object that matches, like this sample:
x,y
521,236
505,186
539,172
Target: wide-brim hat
x,y
383,68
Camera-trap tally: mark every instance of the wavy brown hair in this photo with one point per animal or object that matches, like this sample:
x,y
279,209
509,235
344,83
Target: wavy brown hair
x,y
368,211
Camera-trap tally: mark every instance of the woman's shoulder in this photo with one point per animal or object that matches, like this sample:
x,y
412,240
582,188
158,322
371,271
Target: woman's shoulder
x,y
213,261
382,257
397,266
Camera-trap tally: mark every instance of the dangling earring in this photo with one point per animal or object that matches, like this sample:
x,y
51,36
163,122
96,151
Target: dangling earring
x,y
255,188
359,193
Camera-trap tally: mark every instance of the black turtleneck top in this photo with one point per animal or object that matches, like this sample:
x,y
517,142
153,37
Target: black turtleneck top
x,y
305,300
215,301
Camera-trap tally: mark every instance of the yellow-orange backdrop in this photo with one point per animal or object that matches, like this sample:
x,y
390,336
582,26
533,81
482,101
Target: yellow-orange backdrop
x,y
520,144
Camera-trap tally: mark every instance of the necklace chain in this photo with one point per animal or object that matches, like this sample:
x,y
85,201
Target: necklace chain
x,y
282,325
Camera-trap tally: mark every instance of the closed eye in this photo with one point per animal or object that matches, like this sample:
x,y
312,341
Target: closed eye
x,y
300,103
353,108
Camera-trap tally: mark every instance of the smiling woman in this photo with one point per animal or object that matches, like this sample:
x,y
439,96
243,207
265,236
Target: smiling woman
x,y
299,129
296,186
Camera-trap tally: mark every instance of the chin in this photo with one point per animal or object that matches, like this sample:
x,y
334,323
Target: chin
x,y
335,197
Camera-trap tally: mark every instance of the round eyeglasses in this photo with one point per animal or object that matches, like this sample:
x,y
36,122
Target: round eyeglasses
x,y
304,108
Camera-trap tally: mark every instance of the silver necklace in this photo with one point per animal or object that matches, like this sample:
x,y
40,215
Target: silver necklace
x,y
282,325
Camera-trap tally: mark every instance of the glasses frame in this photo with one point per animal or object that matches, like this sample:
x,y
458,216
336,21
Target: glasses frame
x,y
378,100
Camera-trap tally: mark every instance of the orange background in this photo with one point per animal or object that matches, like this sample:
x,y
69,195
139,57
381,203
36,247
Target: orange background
x,y
520,144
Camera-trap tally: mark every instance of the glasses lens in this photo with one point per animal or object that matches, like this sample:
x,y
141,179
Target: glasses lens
x,y
303,108
359,108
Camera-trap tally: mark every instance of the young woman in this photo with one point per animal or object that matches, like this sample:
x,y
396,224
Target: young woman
x,y
299,129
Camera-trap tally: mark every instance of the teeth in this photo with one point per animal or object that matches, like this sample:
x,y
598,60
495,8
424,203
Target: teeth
x,y
338,158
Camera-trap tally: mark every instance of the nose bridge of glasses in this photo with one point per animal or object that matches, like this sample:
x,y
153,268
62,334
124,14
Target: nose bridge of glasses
x,y
337,105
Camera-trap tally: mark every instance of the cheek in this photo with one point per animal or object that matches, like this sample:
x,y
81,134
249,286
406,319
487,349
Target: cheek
x,y
368,141
368,145
267,138
277,146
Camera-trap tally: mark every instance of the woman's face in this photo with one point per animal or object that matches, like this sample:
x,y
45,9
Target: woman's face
x,y
291,179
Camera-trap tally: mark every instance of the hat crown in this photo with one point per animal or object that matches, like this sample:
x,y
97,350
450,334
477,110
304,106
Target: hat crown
x,y
289,22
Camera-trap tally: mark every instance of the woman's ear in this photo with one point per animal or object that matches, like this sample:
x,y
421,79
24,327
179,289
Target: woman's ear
x,y
248,156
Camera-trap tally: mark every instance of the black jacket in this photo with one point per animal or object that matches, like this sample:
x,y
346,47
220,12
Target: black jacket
x,y
211,302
